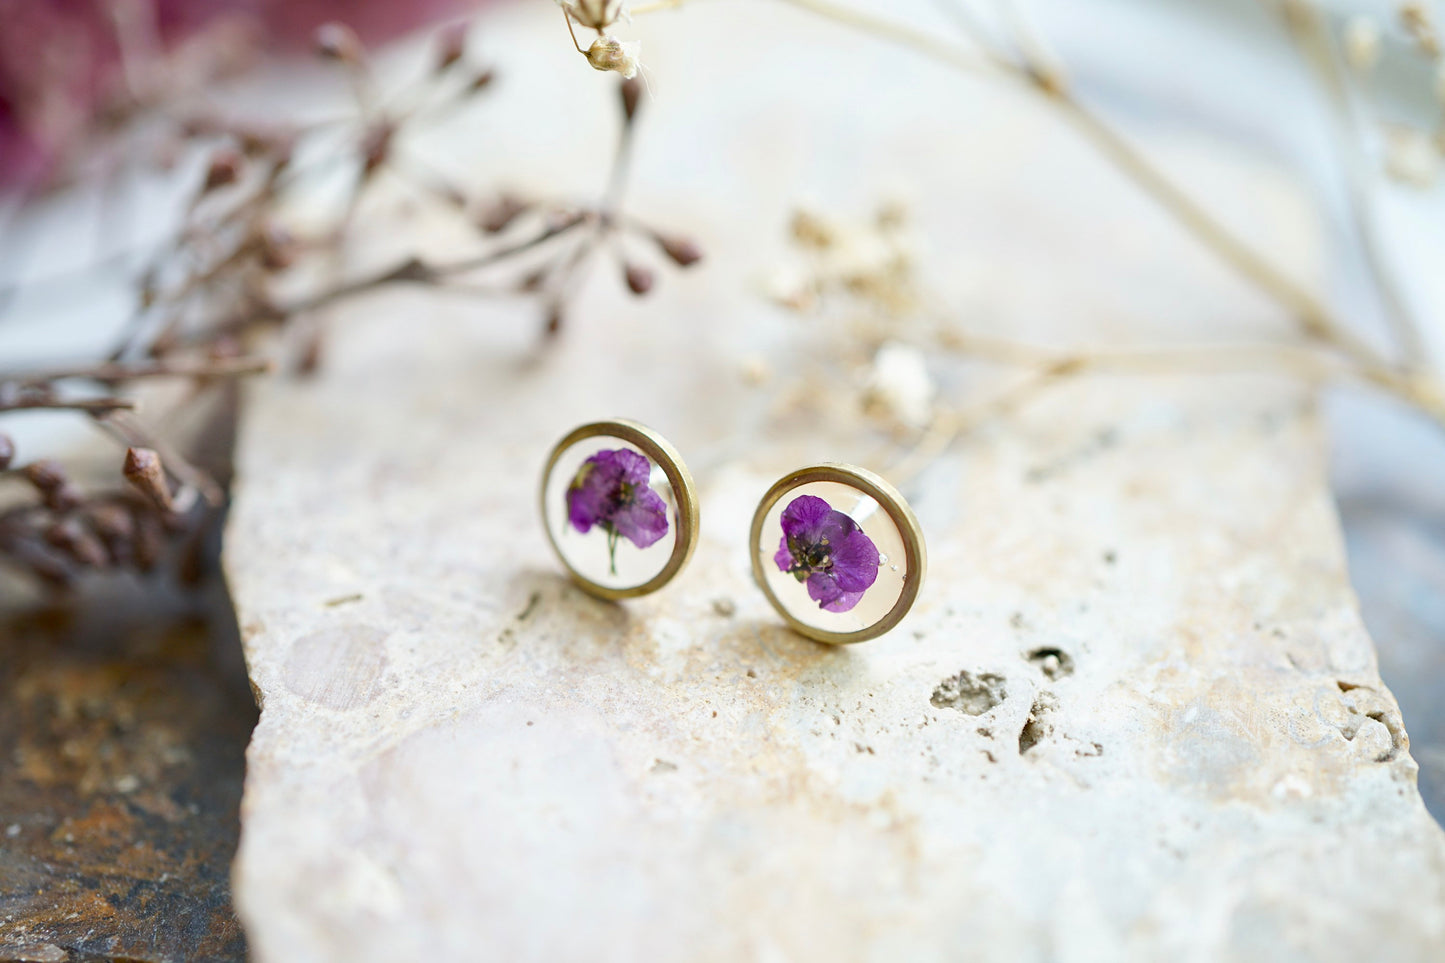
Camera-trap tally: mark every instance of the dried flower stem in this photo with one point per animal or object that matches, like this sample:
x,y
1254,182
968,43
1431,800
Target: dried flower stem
x,y
130,371
89,405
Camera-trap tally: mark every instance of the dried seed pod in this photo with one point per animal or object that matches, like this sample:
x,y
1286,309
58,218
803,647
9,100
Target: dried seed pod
x,y
71,537
639,278
376,145
451,45
609,53
116,529
225,168
144,471
7,451
278,248
683,251
1415,18
532,281
336,41
64,497
308,362
500,215
45,474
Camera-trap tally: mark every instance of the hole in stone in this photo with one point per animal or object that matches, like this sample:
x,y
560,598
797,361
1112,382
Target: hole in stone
x,y
969,693
1036,727
1397,735
1054,663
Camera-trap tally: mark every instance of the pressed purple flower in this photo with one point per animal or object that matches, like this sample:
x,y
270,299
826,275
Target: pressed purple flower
x,y
828,550
611,491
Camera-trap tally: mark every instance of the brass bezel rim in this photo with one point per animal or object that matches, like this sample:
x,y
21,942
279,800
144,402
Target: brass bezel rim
x,y
915,552
660,450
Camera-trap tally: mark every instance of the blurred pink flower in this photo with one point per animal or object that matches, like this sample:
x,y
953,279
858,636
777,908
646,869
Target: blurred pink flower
x,y
60,60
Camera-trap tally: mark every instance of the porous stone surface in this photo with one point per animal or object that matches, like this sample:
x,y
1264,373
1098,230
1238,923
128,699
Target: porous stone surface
x,y
1133,716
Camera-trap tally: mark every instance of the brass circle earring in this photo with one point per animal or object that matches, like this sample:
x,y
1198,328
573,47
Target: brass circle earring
x,y
619,508
838,553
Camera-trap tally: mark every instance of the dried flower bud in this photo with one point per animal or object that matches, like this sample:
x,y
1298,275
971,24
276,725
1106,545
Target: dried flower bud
x,y
64,497
683,251
1415,18
594,14
113,524
225,169
1362,43
309,361
1410,157
7,451
336,41
500,215
72,538
451,45
277,145
144,471
609,53
278,248
812,231
46,475
631,91
44,565
639,278
376,145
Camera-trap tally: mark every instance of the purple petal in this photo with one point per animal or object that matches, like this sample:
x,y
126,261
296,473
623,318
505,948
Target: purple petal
x,y
589,493
632,467
855,562
806,518
784,557
645,520
824,589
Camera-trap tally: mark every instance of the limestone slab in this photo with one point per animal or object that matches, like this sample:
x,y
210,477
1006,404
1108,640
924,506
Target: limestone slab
x,y
1134,715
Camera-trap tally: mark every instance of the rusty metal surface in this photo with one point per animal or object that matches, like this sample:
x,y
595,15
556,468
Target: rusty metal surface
x,y
124,718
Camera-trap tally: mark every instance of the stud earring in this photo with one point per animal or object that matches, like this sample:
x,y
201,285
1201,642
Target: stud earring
x,y
619,508
838,553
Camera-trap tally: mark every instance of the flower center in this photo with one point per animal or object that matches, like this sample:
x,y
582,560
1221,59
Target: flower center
x,y
814,557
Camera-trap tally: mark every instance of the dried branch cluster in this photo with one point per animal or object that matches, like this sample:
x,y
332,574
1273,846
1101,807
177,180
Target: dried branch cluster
x,y
235,273
864,274
65,531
